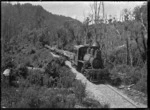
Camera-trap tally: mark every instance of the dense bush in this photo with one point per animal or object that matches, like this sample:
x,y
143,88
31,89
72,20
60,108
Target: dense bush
x,y
22,71
66,77
57,98
141,84
8,62
44,97
45,90
79,90
52,68
29,98
9,97
93,104
35,77
131,75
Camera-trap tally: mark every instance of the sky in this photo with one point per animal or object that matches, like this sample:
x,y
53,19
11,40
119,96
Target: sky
x,y
80,10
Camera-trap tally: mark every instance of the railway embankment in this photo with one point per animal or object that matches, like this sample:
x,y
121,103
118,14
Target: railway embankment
x,y
105,94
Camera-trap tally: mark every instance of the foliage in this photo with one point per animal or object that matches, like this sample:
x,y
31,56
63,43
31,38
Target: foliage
x,y
10,97
141,84
27,28
66,78
131,75
22,71
79,89
93,104
42,90
35,77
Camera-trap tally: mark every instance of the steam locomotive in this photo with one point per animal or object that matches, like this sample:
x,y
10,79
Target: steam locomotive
x,y
88,60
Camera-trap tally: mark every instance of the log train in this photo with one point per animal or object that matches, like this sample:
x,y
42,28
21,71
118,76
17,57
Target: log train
x,y
88,60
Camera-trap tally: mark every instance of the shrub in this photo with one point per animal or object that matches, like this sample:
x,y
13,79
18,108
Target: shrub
x,y
22,71
115,79
29,98
88,102
35,77
71,100
79,90
141,84
7,62
66,77
9,97
23,83
127,74
52,68
57,98
43,97
46,80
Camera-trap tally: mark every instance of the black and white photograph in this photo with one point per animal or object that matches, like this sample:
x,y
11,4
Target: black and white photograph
x,y
74,54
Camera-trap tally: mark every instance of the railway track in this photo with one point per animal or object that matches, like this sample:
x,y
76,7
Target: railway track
x,y
110,94
126,100
115,98
106,94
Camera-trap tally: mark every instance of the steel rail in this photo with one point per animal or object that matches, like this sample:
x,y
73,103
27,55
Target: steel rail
x,y
126,98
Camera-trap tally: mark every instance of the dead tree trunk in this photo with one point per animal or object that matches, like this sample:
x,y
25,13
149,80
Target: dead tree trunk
x,y
127,58
144,56
128,50
145,46
131,58
139,47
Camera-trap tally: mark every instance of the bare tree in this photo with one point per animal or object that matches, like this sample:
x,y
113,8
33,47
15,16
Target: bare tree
x,y
95,11
95,15
85,28
140,14
126,13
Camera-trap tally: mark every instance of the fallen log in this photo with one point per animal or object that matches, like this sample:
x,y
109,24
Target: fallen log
x,y
34,68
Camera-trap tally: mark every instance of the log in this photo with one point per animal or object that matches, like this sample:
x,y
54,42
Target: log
x,y
34,68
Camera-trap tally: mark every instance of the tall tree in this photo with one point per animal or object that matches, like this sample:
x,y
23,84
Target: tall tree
x,y
86,29
95,16
140,14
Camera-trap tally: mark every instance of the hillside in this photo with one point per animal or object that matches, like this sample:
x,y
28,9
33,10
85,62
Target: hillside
x,y
26,28
29,14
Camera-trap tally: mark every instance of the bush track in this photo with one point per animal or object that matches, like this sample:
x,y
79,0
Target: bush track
x,y
105,94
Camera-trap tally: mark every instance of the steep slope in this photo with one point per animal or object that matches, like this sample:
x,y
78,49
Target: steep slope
x,y
25,28
29,14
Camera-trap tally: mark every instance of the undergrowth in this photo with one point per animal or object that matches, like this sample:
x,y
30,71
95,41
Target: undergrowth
x,y
54,88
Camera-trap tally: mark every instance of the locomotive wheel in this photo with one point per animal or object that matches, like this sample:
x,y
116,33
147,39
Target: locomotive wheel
x,y
97,63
